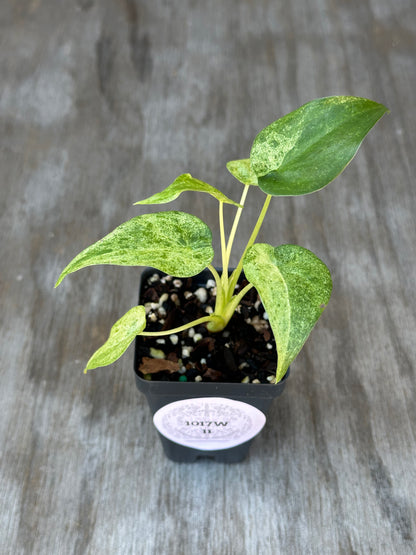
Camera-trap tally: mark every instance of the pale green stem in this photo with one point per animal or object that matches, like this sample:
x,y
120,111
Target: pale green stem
x,y
235,301
258,225
241,294
223,246
236,222
253,237
221,291
215,274
180,328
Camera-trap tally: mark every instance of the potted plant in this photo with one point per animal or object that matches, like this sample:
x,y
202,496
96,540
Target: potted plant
x,y
296,155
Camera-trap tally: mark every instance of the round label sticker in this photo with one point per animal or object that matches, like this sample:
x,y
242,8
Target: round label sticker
x,y
209,423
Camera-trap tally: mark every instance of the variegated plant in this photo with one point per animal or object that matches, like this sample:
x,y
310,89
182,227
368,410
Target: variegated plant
x,y
298,154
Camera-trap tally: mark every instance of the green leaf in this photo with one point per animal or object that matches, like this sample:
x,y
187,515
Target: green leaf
x,y
173,242
306,149
242,170
186,182
121,335
294,286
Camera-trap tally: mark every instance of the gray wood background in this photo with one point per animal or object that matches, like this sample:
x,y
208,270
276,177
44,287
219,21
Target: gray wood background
x,y
105,102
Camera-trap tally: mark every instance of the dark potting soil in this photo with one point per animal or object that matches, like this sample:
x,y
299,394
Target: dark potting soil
x,y
244,351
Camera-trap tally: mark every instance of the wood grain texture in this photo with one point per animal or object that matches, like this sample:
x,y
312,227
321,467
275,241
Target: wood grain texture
x,y
105,103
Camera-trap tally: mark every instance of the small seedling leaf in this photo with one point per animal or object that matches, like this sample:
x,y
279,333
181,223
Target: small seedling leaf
x,y
294,286
121,335
242,170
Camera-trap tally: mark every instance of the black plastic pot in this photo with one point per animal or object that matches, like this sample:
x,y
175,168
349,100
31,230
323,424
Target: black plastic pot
x,y
162,393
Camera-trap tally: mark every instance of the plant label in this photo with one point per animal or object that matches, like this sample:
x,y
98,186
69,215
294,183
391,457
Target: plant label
x,y
209,423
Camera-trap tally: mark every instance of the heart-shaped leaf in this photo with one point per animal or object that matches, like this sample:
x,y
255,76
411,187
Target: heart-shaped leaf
x,y
121,335
294,286
242,170
186,182
306,149
173,242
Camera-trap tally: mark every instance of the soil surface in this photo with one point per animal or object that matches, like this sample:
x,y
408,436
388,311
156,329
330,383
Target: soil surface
x,y
244,351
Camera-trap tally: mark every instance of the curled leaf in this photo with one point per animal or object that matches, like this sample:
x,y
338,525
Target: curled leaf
x,y
242,170
186,182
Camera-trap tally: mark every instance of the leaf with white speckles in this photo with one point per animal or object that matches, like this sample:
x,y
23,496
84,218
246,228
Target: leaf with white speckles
x,y
294,286
186,182
306,149
121,335
173,242
242,170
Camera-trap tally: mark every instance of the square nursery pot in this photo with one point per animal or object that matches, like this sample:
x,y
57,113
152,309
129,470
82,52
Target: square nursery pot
x,y
204,420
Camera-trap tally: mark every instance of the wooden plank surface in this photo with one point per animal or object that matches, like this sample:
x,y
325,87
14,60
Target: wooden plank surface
x,y
103,103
